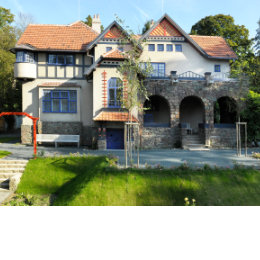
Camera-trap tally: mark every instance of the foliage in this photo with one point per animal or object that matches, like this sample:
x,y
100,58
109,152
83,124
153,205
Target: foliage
x,y
257,40
147,26
252,114
256,155
88,180
21,22
10,90
4,154
237,36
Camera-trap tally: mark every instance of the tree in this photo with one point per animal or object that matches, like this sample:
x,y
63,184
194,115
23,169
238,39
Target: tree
x,y
22,21
10,92
88,21
257,39
147,26
133,71
237,36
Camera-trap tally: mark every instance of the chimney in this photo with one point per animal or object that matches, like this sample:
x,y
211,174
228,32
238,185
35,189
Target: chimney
x,y
96,23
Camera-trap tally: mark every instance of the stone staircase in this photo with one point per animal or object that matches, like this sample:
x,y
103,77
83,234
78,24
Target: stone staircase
x,y
193,143
10,174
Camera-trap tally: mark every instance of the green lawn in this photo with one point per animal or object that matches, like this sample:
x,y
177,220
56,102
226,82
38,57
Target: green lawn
x,y
90,181
4,153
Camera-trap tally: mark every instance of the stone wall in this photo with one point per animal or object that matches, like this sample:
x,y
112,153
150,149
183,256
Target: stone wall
x,y
26,134
174,93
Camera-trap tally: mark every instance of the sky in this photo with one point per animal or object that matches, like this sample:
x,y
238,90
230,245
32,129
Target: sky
x,y
136,12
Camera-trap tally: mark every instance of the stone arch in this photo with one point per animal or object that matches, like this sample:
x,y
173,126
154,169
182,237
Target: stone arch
x,y
225,110
157,112
192,112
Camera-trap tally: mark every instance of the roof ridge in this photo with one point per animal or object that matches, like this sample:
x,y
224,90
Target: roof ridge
x,y
213,36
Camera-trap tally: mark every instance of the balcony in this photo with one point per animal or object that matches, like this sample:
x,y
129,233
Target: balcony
x,y
24,70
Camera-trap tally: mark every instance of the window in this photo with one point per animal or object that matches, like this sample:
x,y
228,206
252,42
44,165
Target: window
x,y
160,47
217,68
169,47
108,49
120,49
151,47
178,48
114,92
60,59
25,56
158,69
59,101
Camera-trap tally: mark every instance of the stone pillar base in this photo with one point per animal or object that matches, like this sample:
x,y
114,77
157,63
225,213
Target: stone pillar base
x,y
102,144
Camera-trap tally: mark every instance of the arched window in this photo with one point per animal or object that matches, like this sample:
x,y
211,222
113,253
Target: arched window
x,y
114,92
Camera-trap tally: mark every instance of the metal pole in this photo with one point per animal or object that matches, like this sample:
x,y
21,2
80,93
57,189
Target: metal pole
x,y
237,136
246,139
125,135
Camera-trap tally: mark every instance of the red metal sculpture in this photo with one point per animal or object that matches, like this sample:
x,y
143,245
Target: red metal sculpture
x,y
34,119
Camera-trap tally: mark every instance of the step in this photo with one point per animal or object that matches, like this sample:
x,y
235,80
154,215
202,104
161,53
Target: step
x,y
12,165
4,183
4,195
11,170
8,175
24,162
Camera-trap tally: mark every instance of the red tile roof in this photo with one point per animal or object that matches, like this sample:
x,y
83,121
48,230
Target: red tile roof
x,y
114,54
214,46
114,116
74,37
165,28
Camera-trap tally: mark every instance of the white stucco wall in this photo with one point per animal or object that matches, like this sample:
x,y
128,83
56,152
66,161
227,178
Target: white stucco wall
x,y
32,102
187,60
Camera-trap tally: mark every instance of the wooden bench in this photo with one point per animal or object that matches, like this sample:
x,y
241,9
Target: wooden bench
x,y
54,138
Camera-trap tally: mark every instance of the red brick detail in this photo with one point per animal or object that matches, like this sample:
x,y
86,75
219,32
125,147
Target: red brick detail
x,y
104,88
114,116
125,89
114,32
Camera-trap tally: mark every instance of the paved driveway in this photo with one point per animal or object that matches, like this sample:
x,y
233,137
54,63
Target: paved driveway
x,y
166,158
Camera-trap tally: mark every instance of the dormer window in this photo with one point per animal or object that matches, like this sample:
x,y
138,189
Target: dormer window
x,y
25,56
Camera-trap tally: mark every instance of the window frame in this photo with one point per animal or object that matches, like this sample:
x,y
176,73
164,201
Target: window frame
x,y
178,46
158,64
27,57
65,56
115,87
167,48
51,98
108,48
217,68
151,47
160,45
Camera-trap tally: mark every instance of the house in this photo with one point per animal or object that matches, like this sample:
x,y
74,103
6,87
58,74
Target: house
x,y
70,81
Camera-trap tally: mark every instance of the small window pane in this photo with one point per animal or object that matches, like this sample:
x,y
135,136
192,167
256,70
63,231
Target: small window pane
x,y
55,105
112,83
73,95
217,68
178,48
108,49
46,106
160,47
64,94
64,105
112,97
69,59
55,94
52,59
169,47
73,106
60,59
121,49
151,47
19,56
47,95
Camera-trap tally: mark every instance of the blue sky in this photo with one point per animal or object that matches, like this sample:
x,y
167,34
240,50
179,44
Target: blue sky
x,y
136,12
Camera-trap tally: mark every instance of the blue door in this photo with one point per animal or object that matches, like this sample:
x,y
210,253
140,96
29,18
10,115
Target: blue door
x,y
115,138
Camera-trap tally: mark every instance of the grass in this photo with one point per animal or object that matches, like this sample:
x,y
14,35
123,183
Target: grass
x,y
90,180
4,153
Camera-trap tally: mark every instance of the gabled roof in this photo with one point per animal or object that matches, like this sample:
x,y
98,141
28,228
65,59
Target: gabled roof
x,y
114,54
214,46
73,37
114,116
210,48
113,31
